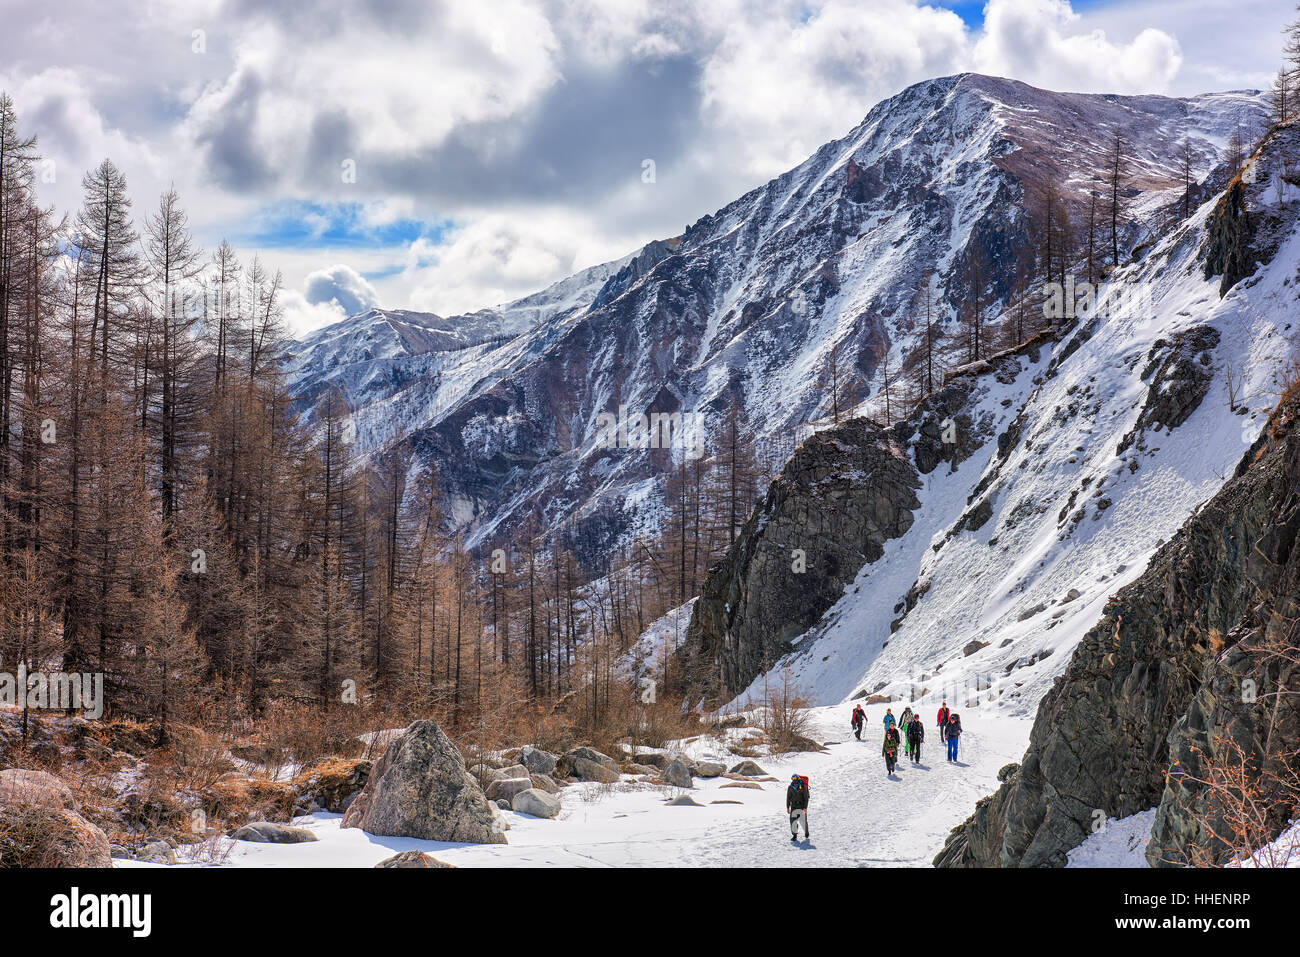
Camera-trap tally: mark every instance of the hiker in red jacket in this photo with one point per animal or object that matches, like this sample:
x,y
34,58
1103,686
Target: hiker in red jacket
x,y
943,722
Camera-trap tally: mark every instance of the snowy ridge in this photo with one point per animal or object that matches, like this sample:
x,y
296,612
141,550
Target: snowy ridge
x,y
749,302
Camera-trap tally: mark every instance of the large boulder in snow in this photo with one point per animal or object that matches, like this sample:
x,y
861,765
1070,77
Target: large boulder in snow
x,y
537,803
420,788
710,769
748,769
537,761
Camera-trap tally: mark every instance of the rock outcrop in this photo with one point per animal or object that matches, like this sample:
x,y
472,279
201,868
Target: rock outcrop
x,y
420,788
842,496
1171,651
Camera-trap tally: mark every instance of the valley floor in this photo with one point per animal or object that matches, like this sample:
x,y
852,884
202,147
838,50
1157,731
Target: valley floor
x,y
857,817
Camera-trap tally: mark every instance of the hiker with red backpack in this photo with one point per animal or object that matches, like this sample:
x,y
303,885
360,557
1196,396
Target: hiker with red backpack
x,y
796,805
943,722
953,731
859,720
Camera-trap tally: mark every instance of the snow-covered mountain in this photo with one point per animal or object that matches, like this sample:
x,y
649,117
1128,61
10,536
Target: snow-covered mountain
x,y
747,304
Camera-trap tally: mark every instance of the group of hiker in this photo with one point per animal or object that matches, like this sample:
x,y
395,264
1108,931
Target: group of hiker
x,y
908,732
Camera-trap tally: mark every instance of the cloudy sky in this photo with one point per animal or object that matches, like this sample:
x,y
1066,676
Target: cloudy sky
x,y
450,154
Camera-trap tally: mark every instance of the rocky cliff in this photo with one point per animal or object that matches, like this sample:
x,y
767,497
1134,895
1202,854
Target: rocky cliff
x,y
845,493
1171,651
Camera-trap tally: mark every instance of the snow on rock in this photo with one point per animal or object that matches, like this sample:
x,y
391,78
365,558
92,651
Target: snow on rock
x,y
1116,843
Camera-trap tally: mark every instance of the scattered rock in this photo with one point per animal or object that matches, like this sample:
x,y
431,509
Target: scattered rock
x,y
537,803
748,768
678,775
684,800
268,832
587,764
160,852
538,761
544,782
654,760
709,769
412,859
506,789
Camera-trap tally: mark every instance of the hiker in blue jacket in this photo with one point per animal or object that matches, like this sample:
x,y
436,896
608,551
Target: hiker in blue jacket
x,y
953,732
889,718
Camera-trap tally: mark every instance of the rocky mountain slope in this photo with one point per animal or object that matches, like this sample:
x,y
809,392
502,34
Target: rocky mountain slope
x,y
1044,541
746,305
1191,667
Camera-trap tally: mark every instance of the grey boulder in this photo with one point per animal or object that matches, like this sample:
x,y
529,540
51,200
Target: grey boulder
x,y
420,788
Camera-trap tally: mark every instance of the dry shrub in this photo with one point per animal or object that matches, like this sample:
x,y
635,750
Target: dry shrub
x,y
40,836
784,716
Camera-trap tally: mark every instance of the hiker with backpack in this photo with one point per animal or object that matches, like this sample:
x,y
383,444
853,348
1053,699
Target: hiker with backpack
x,y
796,805
889,718
953,732
915,735
890,750
943,721
907,718
859,719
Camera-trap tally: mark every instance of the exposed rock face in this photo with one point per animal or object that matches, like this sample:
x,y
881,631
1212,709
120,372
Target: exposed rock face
x,y
420,788
844,494
1179,372
1170,651
1245,229
40,825
1246,711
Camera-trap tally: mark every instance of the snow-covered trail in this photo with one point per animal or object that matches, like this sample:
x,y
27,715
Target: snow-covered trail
x,y
857,816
